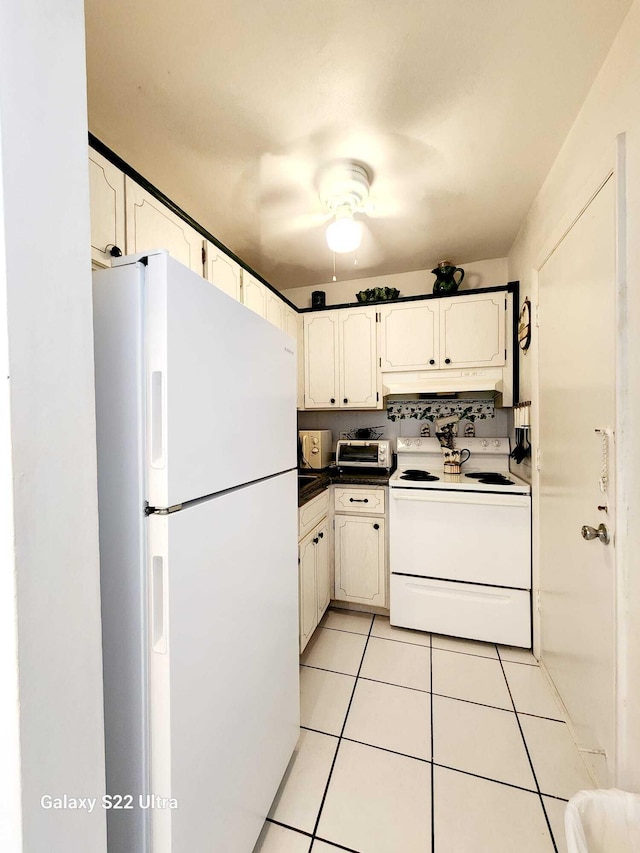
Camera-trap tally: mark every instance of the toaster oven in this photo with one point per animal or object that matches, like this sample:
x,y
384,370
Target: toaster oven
x,y
369,453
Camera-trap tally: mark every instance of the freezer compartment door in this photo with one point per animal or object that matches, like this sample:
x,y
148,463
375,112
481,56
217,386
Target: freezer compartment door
x,y
220,385
461,536
488,613
223,639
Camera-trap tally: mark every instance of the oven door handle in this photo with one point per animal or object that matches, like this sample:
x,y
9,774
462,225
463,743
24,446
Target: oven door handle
x,y
455,497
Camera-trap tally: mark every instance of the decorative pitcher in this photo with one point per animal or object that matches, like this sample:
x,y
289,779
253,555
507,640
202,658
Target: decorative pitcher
x,y
445,277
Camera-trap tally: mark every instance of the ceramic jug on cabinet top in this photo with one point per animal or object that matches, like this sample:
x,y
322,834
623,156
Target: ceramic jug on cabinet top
x,y
445,277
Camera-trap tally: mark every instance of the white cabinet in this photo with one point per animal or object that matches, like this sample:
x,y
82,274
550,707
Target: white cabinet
x,y
360,548
313,566
254,294
410,336
473,331
458,331
301,351
106,187
274,309
151,225
340,356
360,545
222,270
321,360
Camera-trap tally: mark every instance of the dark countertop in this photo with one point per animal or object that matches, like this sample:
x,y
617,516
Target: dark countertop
x,y
309,488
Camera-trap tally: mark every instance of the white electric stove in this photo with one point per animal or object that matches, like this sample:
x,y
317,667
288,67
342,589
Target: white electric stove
x,y
460,544
420,466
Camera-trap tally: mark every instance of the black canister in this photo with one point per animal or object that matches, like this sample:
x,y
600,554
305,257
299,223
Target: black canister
x,y
318,299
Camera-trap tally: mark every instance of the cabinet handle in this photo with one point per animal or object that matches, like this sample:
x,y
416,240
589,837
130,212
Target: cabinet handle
x,y
359,500
345,400
315,541
320,535
376,527
114,251
333,399
432,361
447,361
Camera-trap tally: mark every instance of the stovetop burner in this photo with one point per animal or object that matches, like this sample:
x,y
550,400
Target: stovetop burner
x,y
491,478
416,474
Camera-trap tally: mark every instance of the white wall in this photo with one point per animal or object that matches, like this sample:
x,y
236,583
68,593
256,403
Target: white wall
x,y
611,108
49,433
488,273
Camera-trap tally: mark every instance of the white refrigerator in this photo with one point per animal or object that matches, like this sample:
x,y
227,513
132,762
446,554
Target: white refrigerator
x,y
196,425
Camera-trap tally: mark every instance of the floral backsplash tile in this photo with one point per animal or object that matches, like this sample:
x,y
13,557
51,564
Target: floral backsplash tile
x,y
429,410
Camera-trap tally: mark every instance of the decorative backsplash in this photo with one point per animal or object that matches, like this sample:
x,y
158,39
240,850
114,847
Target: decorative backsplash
x,y
429,410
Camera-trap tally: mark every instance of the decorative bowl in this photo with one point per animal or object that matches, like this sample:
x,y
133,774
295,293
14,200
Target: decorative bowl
x,y
377,294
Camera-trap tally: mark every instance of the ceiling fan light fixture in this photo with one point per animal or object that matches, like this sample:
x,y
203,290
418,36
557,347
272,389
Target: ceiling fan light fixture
x,y
344,234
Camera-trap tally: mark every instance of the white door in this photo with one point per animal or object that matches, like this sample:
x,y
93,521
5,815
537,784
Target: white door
x,y
222,270
106,188
275,309
209,360
576,376
307,583
410,336
360,563
223,659
323,580
473,330
254,294
320,360
151,225
357,359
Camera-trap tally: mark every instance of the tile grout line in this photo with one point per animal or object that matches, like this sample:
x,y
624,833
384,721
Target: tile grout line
x,y
344,725
433,773
524,741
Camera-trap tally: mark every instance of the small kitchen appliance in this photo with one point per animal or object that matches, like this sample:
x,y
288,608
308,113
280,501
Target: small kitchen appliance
x,y
460,544
369,453
315,448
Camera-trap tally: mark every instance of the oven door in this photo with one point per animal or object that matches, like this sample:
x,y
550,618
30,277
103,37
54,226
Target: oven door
x,y
475,537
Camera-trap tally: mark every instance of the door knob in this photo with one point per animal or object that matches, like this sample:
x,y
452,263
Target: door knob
x,y
600,533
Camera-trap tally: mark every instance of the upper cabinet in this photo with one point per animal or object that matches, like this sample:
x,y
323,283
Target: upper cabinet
x,y
275,309
106,185
410,336
340,358
254,294
321,360
473,331
151,225
460,331
222,270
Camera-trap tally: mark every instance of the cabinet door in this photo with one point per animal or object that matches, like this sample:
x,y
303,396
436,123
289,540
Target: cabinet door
x,y
323,580
320,362
290,321
410,336
360,561
300,394
254,294
222,270
307,588
275,309
472,330
106,187
151,225
357,357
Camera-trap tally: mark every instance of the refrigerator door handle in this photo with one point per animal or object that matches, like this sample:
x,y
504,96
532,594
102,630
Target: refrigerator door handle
x,y
157,419
158,620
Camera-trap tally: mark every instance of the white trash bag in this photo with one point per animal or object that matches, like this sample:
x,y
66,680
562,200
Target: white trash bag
x,y
603,822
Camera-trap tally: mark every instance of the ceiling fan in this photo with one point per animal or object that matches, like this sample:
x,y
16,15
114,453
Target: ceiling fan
x,y
344,189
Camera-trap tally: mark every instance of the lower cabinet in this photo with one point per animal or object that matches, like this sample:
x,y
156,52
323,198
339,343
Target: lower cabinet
x,y
360,546
315,583
314,569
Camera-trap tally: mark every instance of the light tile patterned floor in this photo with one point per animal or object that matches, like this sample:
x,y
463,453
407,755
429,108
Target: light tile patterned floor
x,y
419,744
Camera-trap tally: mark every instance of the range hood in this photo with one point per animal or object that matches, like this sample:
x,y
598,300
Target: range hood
x,y
410,384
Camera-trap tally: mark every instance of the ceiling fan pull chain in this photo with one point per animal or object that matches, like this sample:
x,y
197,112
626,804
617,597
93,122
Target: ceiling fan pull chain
x,y
334,268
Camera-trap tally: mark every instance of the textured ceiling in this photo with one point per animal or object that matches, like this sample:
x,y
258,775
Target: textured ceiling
x,y
458,107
